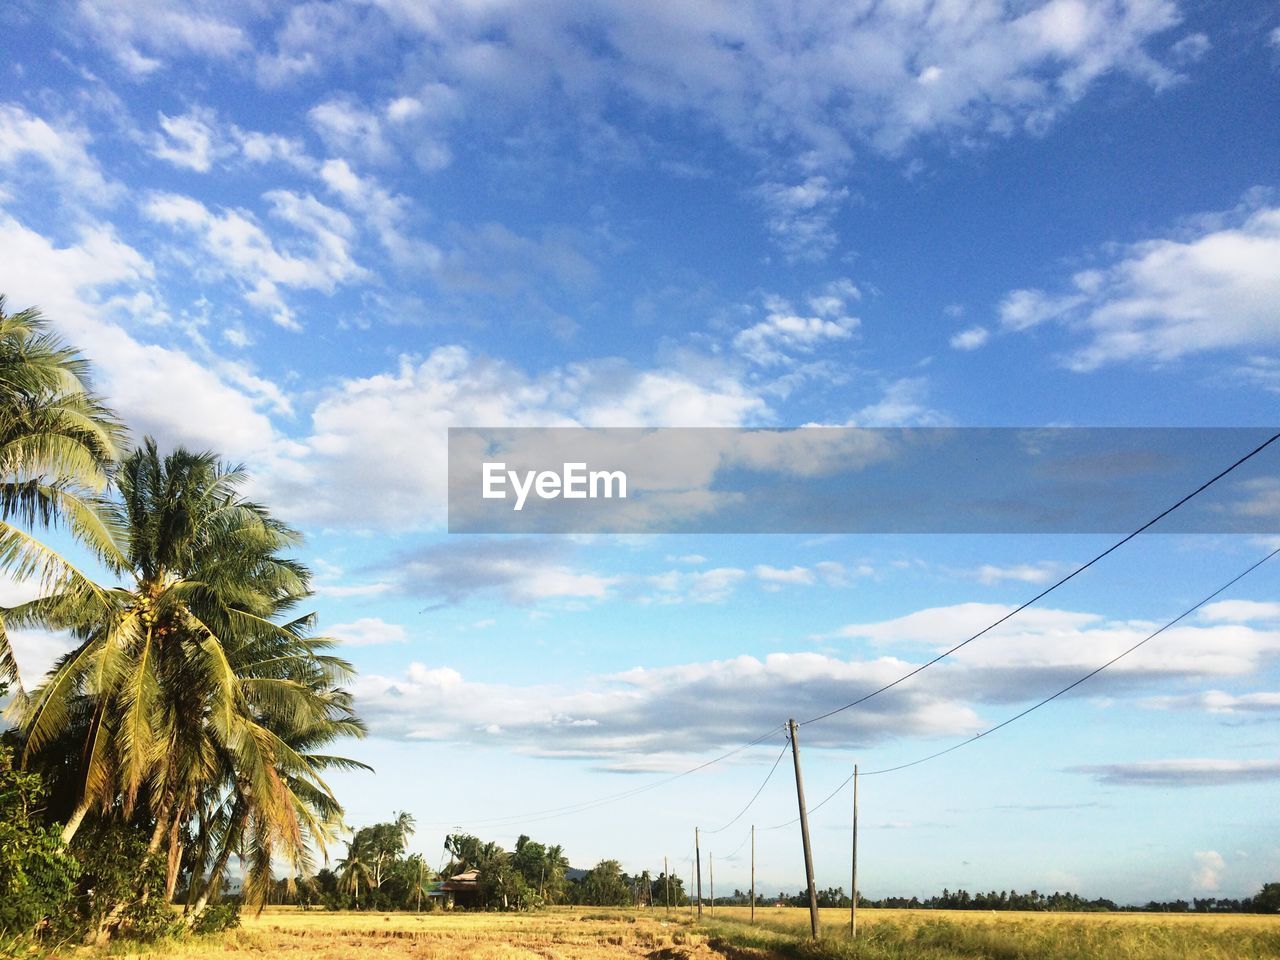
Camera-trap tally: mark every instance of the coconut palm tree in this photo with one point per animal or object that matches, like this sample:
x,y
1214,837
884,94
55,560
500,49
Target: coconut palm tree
x,y
57,442
354,869
188,677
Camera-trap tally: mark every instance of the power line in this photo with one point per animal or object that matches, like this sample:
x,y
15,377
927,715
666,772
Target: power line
x,y
739,847
759,790
1092,673
1049,699
1048,590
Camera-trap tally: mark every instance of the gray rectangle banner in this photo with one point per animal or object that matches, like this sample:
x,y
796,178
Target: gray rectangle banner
x,y
861,480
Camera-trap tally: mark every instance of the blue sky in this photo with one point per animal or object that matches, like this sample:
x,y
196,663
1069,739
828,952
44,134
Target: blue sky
x,y
313,237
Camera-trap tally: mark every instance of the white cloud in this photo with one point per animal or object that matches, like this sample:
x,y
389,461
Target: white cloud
x,y
904,404
799,216
62,152
245,252
827,572
1163,299
1207,875
991,574
628,717
1184,773
971,338
1219,701
783,333
139,33
190,141
715,585
1246,611
784,576
1043,648
367,632
208,406
332,482
350,129
384,212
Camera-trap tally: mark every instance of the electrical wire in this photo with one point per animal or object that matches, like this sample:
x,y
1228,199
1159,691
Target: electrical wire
x,y
1049,699
1048,590
759,790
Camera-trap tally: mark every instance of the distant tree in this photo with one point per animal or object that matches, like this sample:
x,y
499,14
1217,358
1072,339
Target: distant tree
x,y
605,885
1268,899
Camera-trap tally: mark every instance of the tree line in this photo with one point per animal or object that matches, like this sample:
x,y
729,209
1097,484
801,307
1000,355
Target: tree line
x,y
378,873
192,718
1267,900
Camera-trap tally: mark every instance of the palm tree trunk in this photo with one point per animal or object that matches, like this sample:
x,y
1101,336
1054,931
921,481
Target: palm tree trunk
x,y
157,838
215,875
172,868
74,821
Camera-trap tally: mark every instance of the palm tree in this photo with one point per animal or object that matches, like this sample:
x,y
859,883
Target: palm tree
x,y
352,869
187,679
57,442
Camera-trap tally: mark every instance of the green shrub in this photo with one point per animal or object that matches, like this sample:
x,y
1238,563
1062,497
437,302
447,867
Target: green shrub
x,y
36,875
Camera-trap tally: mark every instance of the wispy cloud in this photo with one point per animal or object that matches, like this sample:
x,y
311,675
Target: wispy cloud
x,y
1183,773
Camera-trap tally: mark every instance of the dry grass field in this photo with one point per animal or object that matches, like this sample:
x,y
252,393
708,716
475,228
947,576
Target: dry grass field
x,y
594,934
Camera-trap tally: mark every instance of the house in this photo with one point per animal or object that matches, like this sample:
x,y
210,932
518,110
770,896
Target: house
x,y
462,890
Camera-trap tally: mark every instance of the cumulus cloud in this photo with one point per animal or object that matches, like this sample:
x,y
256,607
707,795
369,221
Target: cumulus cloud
x,y
1209,867
627,717
422,398
1159,300
1043,648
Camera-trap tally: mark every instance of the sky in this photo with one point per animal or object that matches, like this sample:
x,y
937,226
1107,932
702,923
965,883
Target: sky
x,y
312,237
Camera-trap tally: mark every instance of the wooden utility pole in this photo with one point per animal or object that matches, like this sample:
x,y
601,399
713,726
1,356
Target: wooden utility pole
x,y
804,831
697,854
853,900
666,875
753,873
711,864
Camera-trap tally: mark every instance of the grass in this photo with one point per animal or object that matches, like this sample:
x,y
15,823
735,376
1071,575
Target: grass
x,y
595,934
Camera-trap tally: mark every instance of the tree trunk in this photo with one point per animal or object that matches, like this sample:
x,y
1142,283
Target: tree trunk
x,y
172,868
219,865
113,917
74,821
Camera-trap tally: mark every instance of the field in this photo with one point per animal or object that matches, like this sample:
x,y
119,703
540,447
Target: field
x,y
595,934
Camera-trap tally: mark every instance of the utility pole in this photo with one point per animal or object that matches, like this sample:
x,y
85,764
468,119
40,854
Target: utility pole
x,y
804,832
666,875
697,854
711,860
753,873
853,903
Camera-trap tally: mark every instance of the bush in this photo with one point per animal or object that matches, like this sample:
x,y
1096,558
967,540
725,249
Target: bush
x,y
217,917
36,875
